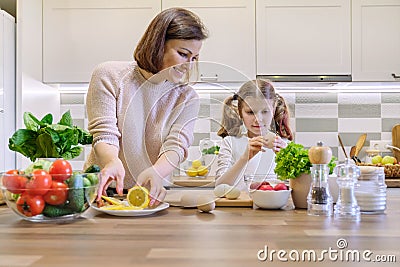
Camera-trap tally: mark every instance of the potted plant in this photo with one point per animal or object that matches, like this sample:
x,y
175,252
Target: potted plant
x,y
293,164
43,139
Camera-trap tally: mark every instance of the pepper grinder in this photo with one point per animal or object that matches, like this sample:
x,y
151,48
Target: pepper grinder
x,y
346,207
319,199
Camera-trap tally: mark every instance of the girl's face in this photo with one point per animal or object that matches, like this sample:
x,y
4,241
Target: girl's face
x,y
178,56
257,114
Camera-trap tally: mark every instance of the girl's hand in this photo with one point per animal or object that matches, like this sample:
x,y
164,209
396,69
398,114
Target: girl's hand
x,y
255,145
279,143
112,171
150,178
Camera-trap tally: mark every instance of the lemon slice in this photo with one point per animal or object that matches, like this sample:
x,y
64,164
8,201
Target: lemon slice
x,y
112,200
138,197
119,207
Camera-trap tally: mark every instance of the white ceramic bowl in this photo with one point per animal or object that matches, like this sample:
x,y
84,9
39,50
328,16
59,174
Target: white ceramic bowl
x,y
270,199
266,199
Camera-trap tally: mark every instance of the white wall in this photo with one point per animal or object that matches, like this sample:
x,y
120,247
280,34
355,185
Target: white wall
x,y
32,94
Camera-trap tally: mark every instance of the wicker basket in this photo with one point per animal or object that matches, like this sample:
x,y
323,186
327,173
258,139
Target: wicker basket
x,y
391,171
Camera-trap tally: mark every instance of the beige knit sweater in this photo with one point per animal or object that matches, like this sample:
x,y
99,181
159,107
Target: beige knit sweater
x,y
142,119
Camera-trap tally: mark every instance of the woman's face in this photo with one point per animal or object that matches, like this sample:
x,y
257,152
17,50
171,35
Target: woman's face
x,y
178,56
257,114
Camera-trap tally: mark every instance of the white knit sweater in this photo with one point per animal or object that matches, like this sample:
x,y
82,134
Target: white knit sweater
x,y
142,119
232,148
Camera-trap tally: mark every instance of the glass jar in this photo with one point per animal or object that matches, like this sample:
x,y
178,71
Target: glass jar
x,y
370,190
370,154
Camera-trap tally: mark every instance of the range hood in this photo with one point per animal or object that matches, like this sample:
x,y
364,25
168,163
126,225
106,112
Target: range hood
x,y
306,78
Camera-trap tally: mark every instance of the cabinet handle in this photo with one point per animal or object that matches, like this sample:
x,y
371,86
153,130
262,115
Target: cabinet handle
x,y
395,76
209,78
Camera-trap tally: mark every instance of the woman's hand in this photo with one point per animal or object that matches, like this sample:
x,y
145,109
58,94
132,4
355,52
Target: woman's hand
x,y
279,143
150,178
112,171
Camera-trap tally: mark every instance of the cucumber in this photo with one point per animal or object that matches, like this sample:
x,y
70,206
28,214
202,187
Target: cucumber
x,y
56,211
93,169
76,196
94,180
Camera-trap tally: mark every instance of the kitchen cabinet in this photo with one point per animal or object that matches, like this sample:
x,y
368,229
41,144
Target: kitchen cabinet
x,y
2,135
78,35
230,49
303,37
376,40
7,89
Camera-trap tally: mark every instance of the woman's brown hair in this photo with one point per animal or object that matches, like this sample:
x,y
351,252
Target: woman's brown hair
x,y
172,23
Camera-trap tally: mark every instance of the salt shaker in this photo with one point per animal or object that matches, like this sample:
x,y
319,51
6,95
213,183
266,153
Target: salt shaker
x,y
319,199
346,207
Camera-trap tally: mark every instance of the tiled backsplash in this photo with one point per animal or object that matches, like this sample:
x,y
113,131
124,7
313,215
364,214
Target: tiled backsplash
x,y
315,117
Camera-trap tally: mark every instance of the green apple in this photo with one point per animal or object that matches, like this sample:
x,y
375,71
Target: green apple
x,y
388,160
376,159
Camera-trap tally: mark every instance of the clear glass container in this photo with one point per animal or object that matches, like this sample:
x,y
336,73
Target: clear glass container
x,y
346,207
319,199
370,190
370,154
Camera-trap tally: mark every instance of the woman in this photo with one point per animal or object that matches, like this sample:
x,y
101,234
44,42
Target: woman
x,y
140,113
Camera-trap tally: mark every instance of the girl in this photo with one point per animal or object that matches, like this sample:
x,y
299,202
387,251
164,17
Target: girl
x,y
258,108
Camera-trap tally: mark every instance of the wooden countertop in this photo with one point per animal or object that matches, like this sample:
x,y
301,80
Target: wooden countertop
x,y
185,237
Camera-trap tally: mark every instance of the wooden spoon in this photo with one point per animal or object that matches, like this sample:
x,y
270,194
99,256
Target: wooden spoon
x,y
360,144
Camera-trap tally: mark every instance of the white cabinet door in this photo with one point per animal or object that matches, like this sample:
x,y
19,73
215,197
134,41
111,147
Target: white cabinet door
x,y
230,47
7,89
376,40
303,37
2,130
78,35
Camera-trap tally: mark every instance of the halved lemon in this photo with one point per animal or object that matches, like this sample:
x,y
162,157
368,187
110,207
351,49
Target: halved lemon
x,y
138,196
191,172
196,164
202,171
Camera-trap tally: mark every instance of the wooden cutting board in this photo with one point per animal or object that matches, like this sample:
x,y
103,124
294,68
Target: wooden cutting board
x,y
208,181
396,140
174,198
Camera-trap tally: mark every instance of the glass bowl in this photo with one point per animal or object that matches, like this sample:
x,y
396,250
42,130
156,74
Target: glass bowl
x,y
41,197
267,192
195,168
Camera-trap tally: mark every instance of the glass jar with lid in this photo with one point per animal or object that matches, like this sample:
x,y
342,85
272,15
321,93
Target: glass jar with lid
x,y
370,190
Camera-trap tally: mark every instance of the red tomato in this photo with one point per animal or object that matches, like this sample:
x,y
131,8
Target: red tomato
x,y
57,194
30,205
60,170
14,182
266,187
40,183
280,186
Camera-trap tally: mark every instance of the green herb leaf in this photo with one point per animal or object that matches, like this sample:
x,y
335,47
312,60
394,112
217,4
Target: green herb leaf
x,y
24,142
46,120
42,139
72,153
31,122
66,119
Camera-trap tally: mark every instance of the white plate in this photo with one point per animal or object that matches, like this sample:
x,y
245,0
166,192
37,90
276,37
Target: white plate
x,y
143,212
